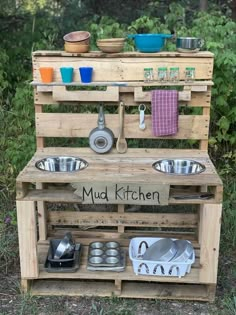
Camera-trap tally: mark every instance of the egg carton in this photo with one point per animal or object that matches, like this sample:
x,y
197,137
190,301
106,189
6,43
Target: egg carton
x,y
137,248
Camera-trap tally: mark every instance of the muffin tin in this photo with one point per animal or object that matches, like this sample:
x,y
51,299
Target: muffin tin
x,y
105,256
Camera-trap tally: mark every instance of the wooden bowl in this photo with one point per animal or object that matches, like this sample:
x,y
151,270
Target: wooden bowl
x,y
110,47
111,41
76,48
77,36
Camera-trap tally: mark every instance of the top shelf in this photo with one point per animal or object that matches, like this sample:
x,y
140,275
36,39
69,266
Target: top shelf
x,y
99,54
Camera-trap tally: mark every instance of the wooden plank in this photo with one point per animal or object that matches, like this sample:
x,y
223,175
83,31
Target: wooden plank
x,y
80,125
60,93
199,88
52,195
39,140
198,99
123,69
129,289
99,54
145,96
42,215
27,234
209,237
25,285
180,220
135,166
120,210
124,193
21,189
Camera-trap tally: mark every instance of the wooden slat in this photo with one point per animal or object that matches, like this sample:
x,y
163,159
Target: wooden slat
x,y
60,93
135,166
99,54
80,125
198,99
129,289
127,219
209,237
145,96
122,69
27,234
42,215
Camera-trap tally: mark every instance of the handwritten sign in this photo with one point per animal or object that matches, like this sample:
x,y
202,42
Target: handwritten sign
x,y
122,193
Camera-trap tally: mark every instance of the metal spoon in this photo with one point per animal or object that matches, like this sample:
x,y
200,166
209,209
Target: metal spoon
x,y
121,144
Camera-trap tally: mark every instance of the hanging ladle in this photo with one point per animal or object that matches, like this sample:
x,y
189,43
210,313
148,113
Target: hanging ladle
x,y
121,144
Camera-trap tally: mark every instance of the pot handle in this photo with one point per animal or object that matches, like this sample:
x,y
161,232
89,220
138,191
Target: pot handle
x,y
131,36
201,42
166,35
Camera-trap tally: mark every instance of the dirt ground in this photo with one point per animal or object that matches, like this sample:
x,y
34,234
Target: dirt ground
x,y
12,301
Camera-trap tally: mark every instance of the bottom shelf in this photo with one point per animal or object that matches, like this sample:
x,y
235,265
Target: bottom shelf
x,y
123,289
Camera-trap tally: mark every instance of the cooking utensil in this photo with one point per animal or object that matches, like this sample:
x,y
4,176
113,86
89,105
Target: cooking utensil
x,y
189,44
65,247
179,167
142,109
162,250
149,42
121,144
184,251
101,139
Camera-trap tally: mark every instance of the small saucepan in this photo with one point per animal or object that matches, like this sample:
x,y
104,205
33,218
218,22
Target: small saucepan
x,y
101,139
189,44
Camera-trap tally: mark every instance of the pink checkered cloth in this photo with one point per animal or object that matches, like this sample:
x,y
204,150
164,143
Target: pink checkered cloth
x,y
164,112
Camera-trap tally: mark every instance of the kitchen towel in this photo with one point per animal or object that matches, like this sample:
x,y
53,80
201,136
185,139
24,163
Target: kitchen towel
x,y
164,112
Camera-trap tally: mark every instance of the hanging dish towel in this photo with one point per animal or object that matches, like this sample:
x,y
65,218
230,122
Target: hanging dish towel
x,y
164,112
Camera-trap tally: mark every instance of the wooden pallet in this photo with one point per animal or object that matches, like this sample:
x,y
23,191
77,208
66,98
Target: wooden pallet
x,y
148,204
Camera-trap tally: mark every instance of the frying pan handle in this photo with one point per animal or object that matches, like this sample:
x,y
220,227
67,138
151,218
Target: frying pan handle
x,y
101,118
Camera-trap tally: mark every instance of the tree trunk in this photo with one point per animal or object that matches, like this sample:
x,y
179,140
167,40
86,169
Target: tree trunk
x,y
203,5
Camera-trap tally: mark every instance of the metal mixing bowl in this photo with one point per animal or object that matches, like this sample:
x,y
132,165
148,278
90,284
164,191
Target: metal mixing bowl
x,y
61,164
179,167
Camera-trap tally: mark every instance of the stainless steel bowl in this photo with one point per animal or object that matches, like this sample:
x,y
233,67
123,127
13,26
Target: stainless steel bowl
x,y
61,164
188,44
179,167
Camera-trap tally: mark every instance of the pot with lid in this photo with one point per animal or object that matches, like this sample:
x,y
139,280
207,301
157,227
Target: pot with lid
x,y
101,139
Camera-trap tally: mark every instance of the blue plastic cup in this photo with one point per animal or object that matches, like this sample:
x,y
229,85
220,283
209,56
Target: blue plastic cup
x,y
67,74
86,74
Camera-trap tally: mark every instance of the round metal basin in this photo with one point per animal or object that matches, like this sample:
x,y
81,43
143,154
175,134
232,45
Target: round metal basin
x,y
61,164
179,167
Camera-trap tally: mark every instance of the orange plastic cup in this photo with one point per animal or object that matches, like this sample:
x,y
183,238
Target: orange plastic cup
x,y
46,74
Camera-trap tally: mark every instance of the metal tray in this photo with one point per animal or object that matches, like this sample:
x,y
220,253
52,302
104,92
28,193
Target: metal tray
x,y
118,268
104,254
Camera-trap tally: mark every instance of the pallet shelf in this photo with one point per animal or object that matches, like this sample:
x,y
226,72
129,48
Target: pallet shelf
x,y
51,204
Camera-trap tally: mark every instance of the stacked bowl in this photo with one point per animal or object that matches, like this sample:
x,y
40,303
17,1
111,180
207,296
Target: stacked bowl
x,y
111,45
77,42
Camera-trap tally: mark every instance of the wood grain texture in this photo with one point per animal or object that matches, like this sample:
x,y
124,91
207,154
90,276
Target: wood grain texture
x,y
80,125
209,236
27,234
